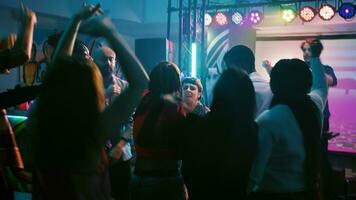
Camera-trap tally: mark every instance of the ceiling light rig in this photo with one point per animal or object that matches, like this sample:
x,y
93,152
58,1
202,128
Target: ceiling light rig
x,y
288,13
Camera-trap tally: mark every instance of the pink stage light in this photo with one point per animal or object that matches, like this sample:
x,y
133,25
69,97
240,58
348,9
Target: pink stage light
x,y
307,14
221,19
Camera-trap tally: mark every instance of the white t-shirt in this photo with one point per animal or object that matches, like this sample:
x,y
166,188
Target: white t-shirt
x,y
279,166
263,92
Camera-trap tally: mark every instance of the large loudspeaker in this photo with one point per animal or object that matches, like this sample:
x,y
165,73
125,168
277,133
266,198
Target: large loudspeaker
x,y
151,51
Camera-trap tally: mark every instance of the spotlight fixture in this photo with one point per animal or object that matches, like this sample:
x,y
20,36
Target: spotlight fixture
x,y
288,14
207,19
307,14
347,11
326,12
237,18
255,17
221,19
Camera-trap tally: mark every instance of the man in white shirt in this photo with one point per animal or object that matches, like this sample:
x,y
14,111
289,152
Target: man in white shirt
x,y
242,57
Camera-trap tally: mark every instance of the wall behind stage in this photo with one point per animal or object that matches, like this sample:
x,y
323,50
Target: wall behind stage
x,y
219,40
341,55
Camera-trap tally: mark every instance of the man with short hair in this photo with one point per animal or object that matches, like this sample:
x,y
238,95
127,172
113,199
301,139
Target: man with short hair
x,y
329,191
192,91
242,58
105,58
329,73
119,146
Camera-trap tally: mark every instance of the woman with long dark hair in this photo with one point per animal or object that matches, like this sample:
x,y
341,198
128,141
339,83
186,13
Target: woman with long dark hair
x,y
287,166
157,174
219,149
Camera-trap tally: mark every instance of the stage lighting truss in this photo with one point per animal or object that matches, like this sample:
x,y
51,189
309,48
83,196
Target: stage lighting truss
x,y
221,19
326,12
347,11
237,18
288,13
208,19
307,13
255,17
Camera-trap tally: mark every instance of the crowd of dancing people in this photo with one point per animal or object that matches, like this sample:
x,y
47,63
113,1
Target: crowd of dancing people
x,y
259,139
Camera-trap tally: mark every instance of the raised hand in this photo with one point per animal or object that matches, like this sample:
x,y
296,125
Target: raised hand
x,y
316,47
267,65
87,11
27,15
66,43
20,53
113,90
99,26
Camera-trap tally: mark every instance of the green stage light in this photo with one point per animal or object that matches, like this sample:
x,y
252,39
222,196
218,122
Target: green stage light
x,y
288,13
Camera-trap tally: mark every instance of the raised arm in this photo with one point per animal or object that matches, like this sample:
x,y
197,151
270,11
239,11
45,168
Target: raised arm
x,y
123,106
131,66
266,64
319,92
66,43
21,52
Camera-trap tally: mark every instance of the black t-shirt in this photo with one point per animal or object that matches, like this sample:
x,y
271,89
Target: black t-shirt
x,y
217,157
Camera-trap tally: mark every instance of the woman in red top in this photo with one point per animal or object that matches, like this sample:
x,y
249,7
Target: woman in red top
x,y
157,174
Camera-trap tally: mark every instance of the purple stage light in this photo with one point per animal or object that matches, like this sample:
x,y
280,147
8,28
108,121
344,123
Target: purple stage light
x,y
255,17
